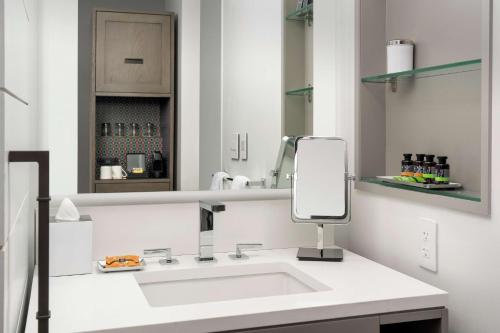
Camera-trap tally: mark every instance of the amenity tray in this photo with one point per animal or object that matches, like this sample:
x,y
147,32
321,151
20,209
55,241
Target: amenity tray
x,y
101,265
450,186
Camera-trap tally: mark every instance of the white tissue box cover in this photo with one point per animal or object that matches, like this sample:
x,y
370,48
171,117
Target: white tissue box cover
x,y
70,247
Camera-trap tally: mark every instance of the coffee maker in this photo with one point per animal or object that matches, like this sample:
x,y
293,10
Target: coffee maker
x,y
158,169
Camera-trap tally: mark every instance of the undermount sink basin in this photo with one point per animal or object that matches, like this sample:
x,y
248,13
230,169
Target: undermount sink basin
x,y
213,284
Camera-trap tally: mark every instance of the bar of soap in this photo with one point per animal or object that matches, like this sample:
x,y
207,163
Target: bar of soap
x,y
123,261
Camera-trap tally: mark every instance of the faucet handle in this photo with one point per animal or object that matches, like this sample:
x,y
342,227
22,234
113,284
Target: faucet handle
x,y
213,207
168,255
244,246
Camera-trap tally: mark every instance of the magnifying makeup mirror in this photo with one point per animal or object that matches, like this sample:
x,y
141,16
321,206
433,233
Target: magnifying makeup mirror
x,y
321,189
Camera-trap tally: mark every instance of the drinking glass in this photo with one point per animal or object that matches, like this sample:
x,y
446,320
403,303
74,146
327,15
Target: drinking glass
x,y
135,129
119,129
150,129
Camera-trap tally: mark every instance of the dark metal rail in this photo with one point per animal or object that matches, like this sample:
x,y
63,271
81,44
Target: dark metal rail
x,y
42,158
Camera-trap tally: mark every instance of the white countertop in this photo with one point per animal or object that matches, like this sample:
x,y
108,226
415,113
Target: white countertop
x,y
114,301
161,198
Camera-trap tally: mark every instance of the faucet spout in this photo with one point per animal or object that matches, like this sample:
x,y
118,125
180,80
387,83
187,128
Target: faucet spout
x,y
206,240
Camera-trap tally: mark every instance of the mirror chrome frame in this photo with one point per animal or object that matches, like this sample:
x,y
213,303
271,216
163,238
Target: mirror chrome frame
x,y
277,171
336,220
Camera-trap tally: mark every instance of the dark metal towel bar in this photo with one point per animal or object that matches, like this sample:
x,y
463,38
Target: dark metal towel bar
x,y
42,158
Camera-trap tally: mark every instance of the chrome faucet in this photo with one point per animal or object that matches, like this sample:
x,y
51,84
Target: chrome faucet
x,y
244,246
167,252
206,245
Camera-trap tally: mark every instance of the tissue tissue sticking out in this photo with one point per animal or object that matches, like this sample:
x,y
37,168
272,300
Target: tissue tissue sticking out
x,y
67,211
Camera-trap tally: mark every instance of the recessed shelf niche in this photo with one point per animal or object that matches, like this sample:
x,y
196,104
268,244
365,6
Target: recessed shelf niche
x,y
442,107
128,110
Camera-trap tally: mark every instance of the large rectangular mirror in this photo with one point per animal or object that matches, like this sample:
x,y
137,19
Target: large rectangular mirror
x,y
176,98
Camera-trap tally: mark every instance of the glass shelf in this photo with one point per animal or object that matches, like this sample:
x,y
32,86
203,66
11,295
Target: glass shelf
x,y
458,194
301,92
424,72
301,14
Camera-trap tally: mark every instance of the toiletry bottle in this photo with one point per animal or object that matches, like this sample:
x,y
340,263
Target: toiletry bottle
x,y
442,171
418,168
429,169
407,166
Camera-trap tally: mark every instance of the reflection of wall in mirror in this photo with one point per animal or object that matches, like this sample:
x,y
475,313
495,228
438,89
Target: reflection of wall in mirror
x,y
252,79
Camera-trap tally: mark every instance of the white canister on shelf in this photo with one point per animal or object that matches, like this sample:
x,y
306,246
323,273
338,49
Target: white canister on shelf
x,y
400,55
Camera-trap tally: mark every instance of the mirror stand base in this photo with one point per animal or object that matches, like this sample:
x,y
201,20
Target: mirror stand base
x,y
311,254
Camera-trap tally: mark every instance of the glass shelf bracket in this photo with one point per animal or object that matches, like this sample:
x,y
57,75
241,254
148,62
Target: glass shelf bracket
x,y
302,14
308,91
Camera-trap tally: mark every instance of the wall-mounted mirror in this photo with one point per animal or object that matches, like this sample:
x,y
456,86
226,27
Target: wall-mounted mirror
x,y
321,189
220,100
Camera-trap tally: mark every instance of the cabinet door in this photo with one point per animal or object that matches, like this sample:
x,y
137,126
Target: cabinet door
x,y
133,53
355,325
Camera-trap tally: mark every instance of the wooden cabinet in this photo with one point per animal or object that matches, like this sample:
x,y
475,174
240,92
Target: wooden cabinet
x,y
134,185
134,53
133,83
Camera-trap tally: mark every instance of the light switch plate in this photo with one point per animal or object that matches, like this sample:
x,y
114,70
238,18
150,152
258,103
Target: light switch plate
x,y
244,147
235,146
427,256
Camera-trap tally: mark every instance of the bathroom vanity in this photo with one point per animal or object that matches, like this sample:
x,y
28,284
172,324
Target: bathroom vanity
x,y
271,292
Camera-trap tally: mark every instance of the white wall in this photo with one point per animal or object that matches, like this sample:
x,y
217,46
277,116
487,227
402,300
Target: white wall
x,y
324,68
210,91
188,90
177,226
131,229
58,89
333,36
387,229
18,131
251,83
333,81
18,211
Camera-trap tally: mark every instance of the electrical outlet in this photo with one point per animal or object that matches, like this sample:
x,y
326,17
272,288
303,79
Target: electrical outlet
x,y
244,147
235,146
428,244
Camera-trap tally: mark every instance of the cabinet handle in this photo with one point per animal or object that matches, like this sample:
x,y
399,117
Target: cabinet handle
x,y
138,61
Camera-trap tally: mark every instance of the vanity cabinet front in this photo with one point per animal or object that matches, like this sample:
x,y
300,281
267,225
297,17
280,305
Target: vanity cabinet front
x,y
358,325
420,321
133,53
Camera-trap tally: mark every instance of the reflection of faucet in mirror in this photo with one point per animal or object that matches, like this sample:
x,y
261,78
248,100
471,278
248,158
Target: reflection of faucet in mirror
x,y
284,164
221,181
206,245
321,190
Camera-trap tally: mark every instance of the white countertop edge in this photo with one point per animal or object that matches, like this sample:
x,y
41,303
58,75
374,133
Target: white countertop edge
x,y
155,198
289,317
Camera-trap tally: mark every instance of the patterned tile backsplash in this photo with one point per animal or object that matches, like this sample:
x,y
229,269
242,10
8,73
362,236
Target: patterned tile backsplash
x,y
127,110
